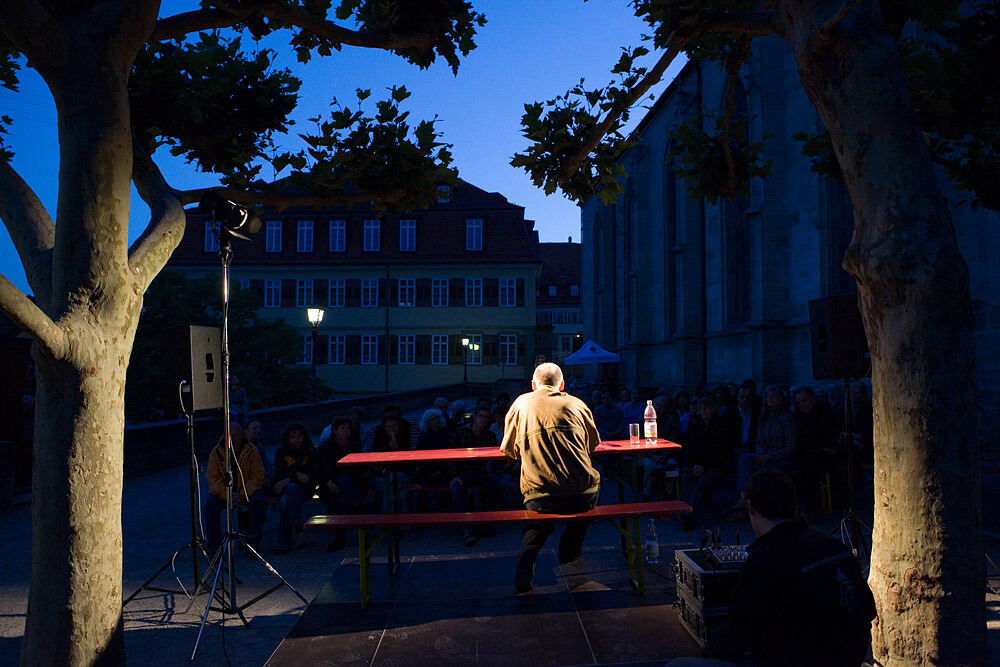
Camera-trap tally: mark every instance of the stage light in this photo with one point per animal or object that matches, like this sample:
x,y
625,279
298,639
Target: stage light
x,y
234,219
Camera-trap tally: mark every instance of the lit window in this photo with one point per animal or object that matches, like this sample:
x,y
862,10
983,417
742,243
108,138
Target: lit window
x,y
407,235
272,293
272,236
336,299
439,293
211,237
407,292
369,350
372,236
337,236
337,350
574,290
369,292
508,293
439,349
474,352
407,348
474,234
508,350
473,292
303,293
304,237
552,290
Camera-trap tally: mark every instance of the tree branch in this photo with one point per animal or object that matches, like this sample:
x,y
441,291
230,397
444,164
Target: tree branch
x,y
153,248
652,77
839,16
30,228
30,318
176,27
757,24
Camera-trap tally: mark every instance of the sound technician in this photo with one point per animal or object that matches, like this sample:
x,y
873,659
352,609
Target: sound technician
x,y
800,598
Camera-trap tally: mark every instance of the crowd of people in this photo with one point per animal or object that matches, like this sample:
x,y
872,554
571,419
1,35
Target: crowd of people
x,y
727,432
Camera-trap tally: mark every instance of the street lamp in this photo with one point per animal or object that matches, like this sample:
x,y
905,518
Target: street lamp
x,y
315,316
465,359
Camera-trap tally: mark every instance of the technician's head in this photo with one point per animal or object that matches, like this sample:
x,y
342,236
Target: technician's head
x,y
770,496
548,375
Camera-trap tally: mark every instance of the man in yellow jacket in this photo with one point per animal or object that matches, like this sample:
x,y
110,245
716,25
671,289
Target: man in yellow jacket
x,y
553,435
248,487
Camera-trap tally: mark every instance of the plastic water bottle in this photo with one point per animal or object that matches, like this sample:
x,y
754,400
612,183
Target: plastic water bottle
x,y
651,545
650,417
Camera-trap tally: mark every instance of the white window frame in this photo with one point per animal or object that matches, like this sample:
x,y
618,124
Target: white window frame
x,y
272,293
473,233
473,292
369,292
304,293
507,350
211,237
407,349
407,289
439,287
336,294
439,350
272,236
338,235
369,350
408,235
373,236
304,236
507,293
337,355
307,346
474,356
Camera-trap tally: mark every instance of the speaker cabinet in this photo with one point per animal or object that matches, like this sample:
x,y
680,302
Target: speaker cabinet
x,y
839,345
193,354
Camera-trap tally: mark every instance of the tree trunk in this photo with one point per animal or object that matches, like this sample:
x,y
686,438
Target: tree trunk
x,y
927,568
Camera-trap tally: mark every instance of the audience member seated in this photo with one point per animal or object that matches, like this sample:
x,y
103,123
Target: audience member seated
x,y
666,427
775,446
296,471
474,475
595,399
361,433
748,415
685,409
339,488
610,419
817,445
389,437
722,402
634,410
433,435
248,487
255,435
706,458
800,598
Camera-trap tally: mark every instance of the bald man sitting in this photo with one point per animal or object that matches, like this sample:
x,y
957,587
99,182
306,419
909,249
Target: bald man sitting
x,y
553,435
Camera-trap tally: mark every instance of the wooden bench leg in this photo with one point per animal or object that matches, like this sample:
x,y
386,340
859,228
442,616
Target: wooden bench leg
x,y
825,493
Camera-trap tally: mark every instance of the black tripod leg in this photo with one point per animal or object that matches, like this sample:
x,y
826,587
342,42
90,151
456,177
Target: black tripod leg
x,y
271,569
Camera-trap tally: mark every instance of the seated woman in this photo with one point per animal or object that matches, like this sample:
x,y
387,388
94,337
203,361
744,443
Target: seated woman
x,y
389,437
433,435
296,471
338,489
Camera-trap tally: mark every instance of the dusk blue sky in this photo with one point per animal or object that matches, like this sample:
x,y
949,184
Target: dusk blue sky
x,y
529,50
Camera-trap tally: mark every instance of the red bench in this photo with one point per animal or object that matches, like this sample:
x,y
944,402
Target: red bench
x,y
365,523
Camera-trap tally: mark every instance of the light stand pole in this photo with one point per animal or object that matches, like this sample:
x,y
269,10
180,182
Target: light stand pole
x,y
465,360
315,316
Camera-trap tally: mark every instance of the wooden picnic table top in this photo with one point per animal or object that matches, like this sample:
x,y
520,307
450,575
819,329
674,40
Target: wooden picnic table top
x,y
606,447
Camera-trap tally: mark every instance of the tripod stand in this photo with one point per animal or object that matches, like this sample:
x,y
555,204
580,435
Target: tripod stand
x,y
196,544
851,525
222,567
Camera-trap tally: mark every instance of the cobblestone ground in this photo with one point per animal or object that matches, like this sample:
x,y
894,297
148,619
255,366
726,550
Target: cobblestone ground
x,y
161,628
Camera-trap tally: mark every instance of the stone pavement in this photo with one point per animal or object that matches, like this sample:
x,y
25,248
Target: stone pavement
x,y
161,628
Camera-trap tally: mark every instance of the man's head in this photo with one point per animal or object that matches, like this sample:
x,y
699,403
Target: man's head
x,y
745,398
770,496
484,416
775,398
548,375
706,408
805,400
254,431
357,416
441,404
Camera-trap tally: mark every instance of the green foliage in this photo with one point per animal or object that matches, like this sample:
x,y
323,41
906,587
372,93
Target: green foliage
x,y
558,127
8,79
819,147
263,351
450,24
690,20
211,102
350,151
701,160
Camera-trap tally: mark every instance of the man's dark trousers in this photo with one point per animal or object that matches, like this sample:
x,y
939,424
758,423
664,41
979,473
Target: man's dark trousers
x,y
535,533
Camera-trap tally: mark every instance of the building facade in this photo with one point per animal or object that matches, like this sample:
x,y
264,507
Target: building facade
x,y
691,292
557,301
400,293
